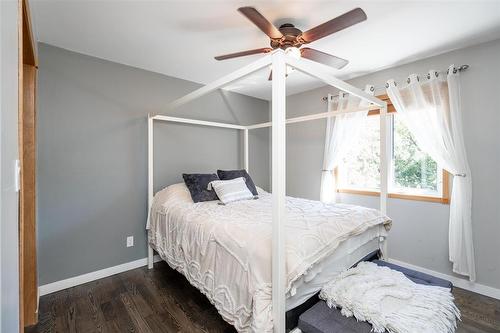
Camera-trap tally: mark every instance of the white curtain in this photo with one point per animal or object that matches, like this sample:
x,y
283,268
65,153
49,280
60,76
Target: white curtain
x,y
431,111
341,131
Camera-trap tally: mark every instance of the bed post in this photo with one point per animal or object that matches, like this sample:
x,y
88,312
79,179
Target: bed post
x,y
384,169
150,182
245,149
278,190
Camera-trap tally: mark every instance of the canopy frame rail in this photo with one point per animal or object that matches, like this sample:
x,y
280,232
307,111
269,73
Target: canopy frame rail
x,y
222,82
278,61
151,119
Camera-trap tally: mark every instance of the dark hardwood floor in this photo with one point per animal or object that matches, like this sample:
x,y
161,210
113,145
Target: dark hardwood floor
x,y
161,300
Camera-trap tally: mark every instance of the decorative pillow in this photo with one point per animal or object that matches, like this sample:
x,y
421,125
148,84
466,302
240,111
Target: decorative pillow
x,y
231,174
231,190
197,183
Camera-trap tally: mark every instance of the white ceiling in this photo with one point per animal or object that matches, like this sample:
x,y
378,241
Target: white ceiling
x,y
180,38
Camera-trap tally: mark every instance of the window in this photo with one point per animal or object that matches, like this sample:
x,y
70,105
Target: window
x,y
360,167
413,174
414,171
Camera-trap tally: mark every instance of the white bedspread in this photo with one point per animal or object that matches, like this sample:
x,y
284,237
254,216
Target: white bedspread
x,y
225,250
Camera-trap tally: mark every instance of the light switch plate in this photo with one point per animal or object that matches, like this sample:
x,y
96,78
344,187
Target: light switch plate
x,y
130,241
17,175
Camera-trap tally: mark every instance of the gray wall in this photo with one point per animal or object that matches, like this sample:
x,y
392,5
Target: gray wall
x,y
420,232
9,277
92,158
92,155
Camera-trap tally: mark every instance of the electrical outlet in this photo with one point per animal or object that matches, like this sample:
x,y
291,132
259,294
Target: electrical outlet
x,y
130,241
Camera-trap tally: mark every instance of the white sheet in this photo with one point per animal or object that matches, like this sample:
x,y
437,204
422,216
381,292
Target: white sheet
x,y
224,251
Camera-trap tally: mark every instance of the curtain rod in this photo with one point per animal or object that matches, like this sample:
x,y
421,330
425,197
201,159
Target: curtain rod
x,y
460,69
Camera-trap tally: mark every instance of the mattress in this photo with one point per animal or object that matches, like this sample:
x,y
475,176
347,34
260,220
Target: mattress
x,y
225,250
348,253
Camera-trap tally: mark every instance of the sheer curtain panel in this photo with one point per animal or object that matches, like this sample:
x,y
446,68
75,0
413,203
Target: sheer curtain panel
x,y
341,131
431,111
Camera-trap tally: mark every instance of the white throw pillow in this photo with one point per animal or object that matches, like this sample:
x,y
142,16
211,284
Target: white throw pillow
x,y
231,190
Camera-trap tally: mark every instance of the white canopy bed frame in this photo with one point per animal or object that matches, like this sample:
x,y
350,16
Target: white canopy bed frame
x,y
278,60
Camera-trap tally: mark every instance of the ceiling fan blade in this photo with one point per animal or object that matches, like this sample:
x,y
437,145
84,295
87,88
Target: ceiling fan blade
x,y
323,58
339,23
244,53
261,22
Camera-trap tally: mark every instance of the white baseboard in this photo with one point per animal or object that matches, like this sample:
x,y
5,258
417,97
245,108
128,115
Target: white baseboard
x,y
92,276
457,282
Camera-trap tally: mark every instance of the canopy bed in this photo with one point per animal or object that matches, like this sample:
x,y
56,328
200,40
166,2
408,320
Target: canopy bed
x,y
273,207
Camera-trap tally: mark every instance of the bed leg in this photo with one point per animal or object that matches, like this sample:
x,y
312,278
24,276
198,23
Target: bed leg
x,y
383,247
150,257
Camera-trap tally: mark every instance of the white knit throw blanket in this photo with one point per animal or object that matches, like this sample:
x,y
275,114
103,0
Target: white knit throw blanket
x,y
388,300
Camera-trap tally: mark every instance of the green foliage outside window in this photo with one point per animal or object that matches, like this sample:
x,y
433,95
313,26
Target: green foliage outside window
x,y
360,168
413,169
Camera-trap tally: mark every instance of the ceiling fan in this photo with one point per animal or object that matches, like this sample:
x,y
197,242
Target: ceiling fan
x,y
290,38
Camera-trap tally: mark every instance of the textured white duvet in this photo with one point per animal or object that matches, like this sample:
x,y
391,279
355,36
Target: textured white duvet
x,y
225,250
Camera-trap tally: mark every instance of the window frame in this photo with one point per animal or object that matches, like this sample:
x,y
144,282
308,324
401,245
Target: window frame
x,y
444,198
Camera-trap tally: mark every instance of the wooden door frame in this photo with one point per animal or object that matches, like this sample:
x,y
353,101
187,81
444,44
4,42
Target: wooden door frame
x,y
28,65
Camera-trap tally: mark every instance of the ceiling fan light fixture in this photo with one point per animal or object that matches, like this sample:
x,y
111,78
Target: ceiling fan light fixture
x,y
294,52
291,39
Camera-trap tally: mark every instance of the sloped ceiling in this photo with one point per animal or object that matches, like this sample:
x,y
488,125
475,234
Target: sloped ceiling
x,y
180,38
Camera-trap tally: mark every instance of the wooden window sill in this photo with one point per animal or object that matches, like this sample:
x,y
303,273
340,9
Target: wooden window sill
x,y
426,198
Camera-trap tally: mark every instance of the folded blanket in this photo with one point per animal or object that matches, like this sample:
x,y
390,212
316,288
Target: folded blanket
x,y
388,300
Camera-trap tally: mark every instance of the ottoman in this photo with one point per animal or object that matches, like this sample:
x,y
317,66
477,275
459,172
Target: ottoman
x,y
322,319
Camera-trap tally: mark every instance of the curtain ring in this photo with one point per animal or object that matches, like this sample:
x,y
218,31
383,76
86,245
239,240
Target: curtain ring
x,y
388,83
432,73
413,77
460,175
326,170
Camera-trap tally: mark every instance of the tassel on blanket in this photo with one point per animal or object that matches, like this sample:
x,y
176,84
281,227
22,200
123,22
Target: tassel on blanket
x,y
388,300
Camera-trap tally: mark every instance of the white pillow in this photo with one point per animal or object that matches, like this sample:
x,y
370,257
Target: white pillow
x,y
231,190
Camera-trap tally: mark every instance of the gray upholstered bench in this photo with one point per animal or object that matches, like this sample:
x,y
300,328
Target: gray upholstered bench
x,y
417,277
322,319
